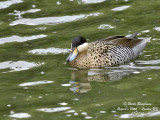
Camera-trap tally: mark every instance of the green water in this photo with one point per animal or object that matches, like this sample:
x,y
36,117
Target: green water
x,y
42,86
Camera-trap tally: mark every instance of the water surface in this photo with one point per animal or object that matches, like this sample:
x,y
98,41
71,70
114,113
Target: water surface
x,y
38,84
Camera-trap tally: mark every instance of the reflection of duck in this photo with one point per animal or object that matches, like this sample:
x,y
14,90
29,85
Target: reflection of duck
x,y
106,52
78,87
79,81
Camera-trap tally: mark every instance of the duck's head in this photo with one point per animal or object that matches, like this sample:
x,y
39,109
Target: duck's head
x,y
79,45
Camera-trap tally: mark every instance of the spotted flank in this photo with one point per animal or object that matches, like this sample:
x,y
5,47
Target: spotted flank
x,y
105,52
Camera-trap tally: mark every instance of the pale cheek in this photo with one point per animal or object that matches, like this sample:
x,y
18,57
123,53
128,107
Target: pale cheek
x,y
83,47
80,50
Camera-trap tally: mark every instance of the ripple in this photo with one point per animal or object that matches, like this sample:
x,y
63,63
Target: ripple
x,y
35,83
52,20
157,28
149,62
75,113
116,73
136,72
18,66
69,115
90,1
140,67
58,3
71,111
6,4
65,85
16,38
31,11
84,113
49,50
20,115
106,26
58,109
149,114
88,117
41,28
63,103
121,8
145,31
102,112
19,13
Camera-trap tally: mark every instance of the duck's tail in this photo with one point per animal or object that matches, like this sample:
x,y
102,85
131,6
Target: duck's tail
x,y
139,47
133,36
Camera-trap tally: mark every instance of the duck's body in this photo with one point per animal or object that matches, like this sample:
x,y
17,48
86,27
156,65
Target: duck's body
x,y
108,52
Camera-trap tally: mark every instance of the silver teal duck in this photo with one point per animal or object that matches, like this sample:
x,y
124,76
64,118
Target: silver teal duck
x,y
105,52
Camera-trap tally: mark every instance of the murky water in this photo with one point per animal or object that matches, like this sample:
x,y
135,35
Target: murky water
x,y
38,84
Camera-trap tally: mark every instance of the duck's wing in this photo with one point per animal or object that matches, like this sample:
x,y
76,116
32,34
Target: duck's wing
x,y
131,45
110,39
130,41
133,36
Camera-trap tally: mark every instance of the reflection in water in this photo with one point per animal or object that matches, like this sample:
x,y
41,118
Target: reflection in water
x,y
89,1
106,26
88,117
80,87
121,8
35,83
49,51
70,111
19,13
16,38
81,78
145,31
63,103
79,81
150,62
65,85
149,114
57,109
157,28
6,4
52,20
20,115
58,3
18,66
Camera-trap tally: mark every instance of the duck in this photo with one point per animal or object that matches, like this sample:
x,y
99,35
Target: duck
x,y
105,52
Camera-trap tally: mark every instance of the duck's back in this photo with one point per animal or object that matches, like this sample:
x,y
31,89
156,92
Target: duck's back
x,y
114,50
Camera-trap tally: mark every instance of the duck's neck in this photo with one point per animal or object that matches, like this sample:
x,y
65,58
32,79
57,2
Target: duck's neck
x,y
81,61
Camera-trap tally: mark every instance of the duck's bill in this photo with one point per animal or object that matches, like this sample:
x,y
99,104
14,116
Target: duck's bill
x,y
72,55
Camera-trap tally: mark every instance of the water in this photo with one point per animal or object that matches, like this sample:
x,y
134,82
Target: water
x,y
38,84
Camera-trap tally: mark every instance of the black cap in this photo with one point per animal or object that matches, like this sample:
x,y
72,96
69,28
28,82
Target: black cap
x,y
78,41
